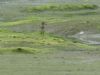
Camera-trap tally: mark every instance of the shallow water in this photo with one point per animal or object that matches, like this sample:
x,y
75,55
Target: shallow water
x,y
89,38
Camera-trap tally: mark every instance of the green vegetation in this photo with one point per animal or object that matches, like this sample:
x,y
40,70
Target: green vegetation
x,y
61,7
33,43
59,62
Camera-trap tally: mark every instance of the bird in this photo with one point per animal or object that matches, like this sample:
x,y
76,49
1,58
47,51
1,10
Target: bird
x,y
82,32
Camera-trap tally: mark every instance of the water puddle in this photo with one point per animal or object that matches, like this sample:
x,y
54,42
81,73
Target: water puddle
x,y
89,38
